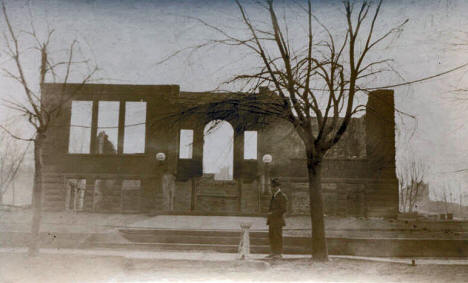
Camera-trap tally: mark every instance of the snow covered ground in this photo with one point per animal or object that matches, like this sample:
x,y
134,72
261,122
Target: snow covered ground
x,y
101,266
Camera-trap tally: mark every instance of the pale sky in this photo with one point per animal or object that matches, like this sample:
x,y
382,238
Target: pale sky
x,y
126,39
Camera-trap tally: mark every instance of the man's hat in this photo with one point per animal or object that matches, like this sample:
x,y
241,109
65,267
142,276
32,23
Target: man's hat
x,y
275,182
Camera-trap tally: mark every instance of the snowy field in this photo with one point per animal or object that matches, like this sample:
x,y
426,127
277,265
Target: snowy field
x,y
17,267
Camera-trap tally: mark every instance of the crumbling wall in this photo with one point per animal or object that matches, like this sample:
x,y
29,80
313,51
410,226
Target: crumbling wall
x,y
358,173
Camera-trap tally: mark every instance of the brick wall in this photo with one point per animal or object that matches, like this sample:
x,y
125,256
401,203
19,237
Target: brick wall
x,y
358,173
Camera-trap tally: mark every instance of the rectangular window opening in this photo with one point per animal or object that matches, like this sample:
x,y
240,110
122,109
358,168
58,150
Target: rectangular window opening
x,y
107,127
186,144
250,145
107,195
131,195
75,196
80,127
135,127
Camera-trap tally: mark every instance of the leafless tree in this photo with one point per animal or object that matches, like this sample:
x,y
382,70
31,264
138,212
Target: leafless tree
x,y
411,181
446,197
12,155
39,114
314,87
461,207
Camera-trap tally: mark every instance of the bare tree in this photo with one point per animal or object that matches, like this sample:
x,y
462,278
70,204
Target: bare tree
x,y
411,181
446,197
314,87
12,155
460,201
39,114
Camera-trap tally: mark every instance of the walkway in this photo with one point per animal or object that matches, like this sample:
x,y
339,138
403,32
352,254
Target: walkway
x,y
214,256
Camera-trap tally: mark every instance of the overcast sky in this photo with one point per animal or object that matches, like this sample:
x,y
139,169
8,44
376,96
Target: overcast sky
x,y
126,39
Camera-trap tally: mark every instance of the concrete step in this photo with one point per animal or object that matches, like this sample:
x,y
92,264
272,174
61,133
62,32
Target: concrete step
x,y
227,241
198,237
336,246
192,232
221,248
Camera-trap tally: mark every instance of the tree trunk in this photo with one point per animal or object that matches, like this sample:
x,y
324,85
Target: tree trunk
x,y
37,197
319,242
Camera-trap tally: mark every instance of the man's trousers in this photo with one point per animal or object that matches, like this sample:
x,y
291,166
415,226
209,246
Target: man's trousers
x,y
275,233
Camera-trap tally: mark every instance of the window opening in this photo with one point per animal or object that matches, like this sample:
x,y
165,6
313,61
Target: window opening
x,y
135,127
107,195
186,144
218,150
80,127
107,127
131,195
250,145
75,196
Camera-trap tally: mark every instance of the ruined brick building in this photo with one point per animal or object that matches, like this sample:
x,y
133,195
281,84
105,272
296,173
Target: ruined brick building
x,y
111,151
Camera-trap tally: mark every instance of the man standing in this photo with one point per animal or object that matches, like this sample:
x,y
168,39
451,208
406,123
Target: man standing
x,y
275,221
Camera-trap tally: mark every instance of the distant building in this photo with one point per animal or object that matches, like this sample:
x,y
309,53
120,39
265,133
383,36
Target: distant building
x,y
425,205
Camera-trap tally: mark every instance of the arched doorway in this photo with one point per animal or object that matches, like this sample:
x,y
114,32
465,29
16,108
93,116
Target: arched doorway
x,y
218,150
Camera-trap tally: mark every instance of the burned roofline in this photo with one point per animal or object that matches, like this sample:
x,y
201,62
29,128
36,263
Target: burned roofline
x,y
168,91
119,87
111,85
171,92
112,89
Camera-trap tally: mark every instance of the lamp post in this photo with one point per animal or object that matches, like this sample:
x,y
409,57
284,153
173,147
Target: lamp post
x,y
267,159
161,157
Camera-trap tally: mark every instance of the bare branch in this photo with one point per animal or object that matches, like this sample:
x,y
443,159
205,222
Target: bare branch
x,y
15,136
19,66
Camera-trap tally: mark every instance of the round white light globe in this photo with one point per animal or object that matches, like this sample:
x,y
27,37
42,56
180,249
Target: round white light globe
x,y
267,158
160,156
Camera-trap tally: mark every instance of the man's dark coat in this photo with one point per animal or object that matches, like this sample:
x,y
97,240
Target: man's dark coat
x,y
278,206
